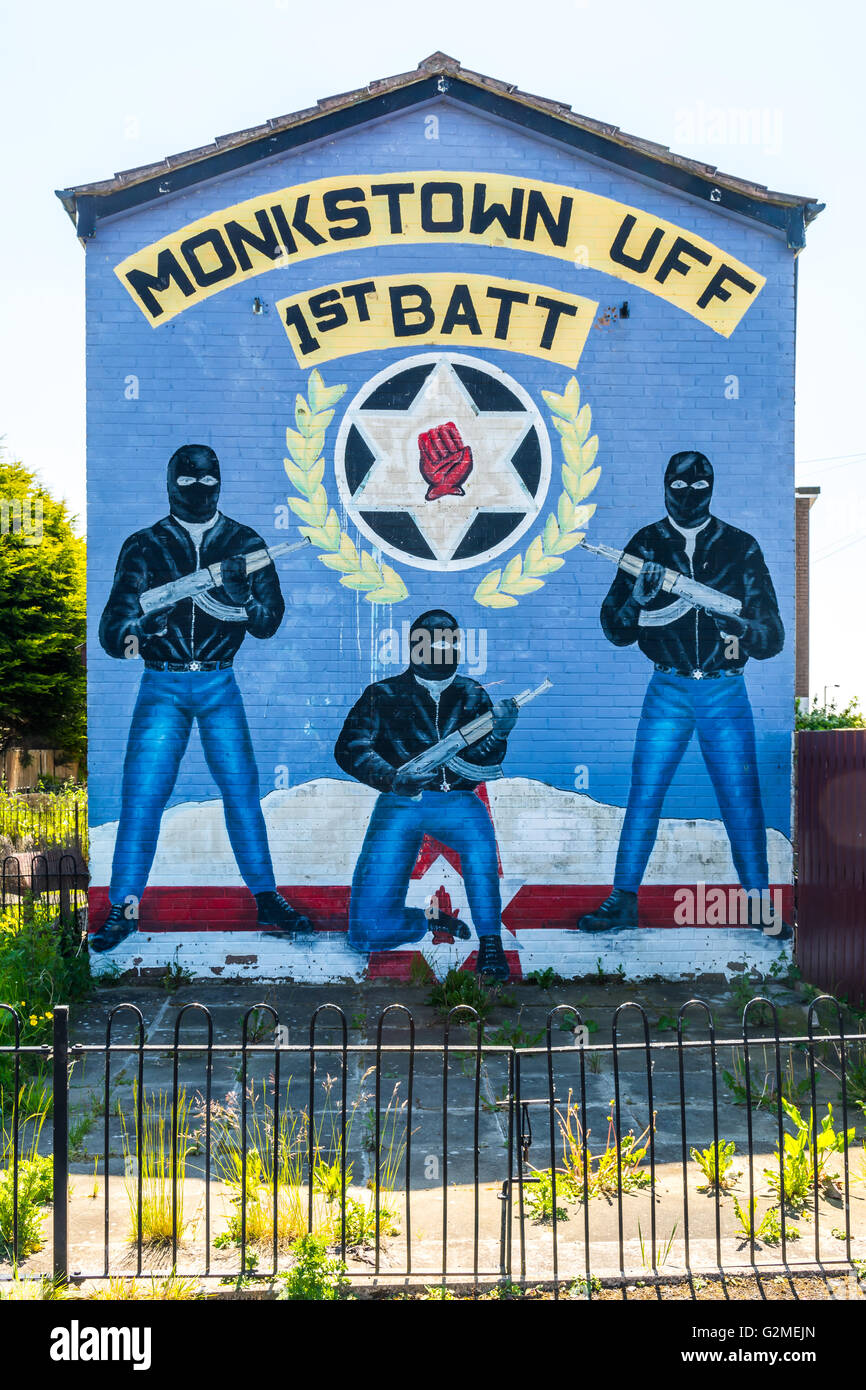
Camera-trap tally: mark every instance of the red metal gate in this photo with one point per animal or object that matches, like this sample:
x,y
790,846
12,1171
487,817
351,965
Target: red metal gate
x,y
831,894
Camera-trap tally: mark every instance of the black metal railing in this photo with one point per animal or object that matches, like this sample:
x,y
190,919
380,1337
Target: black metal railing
x,y
54,879
417,1159
40,822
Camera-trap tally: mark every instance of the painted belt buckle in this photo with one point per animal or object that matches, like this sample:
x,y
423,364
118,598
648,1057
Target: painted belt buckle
x,y
697,675
194,666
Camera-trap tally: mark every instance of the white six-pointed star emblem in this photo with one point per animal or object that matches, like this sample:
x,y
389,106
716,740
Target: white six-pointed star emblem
x,y
447,475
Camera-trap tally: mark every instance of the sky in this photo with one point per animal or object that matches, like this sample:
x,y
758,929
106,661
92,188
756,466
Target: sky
x,y
770,90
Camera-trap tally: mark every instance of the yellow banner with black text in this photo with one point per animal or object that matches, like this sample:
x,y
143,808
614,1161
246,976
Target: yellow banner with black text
x,y
445,309
314,219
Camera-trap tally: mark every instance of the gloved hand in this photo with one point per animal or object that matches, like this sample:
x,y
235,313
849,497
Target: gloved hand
x,y
505,714
445,461
728,625
413,783
648,583
154,624
235,580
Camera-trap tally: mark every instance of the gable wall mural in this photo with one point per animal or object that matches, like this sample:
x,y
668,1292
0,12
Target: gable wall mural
x,y
441,534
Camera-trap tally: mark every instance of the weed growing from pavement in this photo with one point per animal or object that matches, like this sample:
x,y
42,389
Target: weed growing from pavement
x,y
744,989
763,1089
795,1173
601,1174
538,1196
260,1025
662,1251
569,1022
513,1035
81,1125
420,973
855,1073
34,1189
317,1275
175,977
463,987
706,1161
667,1023
769,1229
544,979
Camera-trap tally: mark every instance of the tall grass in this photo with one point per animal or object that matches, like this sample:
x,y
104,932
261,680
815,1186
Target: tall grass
x,y
171,1287
39,1290
152,1149
265,1203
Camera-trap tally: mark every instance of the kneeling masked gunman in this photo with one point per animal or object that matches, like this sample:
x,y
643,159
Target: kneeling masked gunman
x,y
188,677
697,686
393,722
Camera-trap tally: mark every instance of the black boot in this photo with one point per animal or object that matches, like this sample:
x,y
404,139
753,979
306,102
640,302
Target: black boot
x,y
777,929
116,928
278,915
491,959
616,913
449,926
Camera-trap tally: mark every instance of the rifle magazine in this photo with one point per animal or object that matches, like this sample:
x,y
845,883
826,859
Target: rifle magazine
x,y
473,772
225,612
660,617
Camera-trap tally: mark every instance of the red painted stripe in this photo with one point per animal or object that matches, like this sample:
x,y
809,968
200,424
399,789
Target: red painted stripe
x,y
560,905
536,906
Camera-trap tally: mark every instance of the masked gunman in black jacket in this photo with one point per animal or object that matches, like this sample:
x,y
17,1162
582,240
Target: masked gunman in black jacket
x,y
188,677
697,685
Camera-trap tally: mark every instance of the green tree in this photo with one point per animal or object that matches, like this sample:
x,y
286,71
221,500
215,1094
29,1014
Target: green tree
x,y
42,617
828,716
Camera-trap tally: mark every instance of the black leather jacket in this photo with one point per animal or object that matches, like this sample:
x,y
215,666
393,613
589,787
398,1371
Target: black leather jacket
x,y
395,720
185,632
726,559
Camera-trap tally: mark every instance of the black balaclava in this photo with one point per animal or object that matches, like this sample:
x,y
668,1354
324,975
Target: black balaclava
x,y
434,646
196,501
687,504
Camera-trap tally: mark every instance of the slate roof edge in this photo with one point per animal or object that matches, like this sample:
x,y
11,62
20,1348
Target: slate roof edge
x,y
437,75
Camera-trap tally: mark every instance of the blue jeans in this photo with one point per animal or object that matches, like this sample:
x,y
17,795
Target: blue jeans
x,y
168,703
719,712
378,916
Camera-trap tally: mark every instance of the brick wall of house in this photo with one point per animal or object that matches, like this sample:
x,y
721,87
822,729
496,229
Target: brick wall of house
x,y
804,501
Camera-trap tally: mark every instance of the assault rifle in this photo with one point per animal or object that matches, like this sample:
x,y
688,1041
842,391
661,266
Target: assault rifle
x,y
691,593
446,752
191,585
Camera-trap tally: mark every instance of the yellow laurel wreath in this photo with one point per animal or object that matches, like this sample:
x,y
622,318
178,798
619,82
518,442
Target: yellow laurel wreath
x,y
306,470
524,574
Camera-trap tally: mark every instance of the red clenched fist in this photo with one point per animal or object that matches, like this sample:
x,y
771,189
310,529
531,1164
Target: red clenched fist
x,y
445,461
443,898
